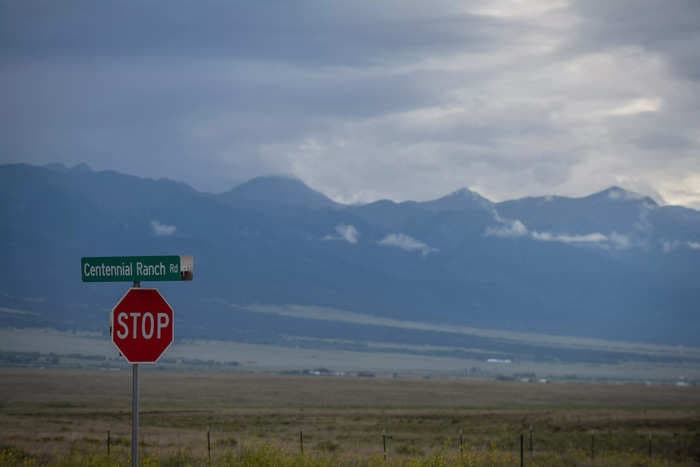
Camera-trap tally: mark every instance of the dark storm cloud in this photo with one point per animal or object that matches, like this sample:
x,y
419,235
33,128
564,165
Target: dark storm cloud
x,y
316,32
670,28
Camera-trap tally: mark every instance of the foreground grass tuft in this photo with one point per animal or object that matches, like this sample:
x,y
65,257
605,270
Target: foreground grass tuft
x,y
266,455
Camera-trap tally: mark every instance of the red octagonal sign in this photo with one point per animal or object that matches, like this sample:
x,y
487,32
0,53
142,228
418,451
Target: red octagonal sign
x,y
142,325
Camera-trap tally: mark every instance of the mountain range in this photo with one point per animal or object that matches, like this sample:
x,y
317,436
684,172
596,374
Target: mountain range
x,y
613,265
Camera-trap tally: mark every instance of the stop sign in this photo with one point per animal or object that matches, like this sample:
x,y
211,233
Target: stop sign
x,y
142,325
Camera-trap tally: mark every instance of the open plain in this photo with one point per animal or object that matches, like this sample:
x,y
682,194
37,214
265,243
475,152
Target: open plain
x,y
64,417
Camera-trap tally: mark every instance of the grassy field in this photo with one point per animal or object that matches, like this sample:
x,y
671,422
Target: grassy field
x,y
62,417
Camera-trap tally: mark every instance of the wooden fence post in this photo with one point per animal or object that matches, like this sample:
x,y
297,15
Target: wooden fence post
x,y
209,445
384,444
386,440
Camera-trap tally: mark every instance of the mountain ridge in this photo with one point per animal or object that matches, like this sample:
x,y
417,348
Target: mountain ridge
x,y
613,192
595,267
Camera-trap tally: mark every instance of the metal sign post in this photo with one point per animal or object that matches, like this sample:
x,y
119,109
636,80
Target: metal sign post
x,y
135,407
134,415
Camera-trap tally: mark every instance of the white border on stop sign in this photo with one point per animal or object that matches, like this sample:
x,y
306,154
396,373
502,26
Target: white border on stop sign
x,y
111,325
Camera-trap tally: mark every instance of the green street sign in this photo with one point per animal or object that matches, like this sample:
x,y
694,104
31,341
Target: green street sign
x,y
137,268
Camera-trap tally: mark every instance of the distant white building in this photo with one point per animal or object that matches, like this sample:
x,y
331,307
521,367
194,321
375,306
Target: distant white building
x,y
499,360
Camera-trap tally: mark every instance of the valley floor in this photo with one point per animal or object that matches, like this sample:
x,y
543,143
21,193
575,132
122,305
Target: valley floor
x,y
65,417
643,364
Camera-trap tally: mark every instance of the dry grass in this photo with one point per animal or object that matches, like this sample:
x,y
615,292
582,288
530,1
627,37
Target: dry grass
x,y
54,416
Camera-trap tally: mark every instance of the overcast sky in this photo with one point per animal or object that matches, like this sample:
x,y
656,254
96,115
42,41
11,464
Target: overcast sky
x,y
361,99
